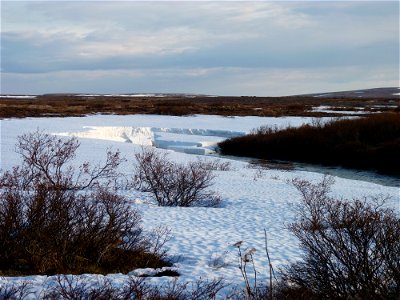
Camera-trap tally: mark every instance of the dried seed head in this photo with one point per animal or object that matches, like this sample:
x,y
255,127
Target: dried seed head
x,y
238,244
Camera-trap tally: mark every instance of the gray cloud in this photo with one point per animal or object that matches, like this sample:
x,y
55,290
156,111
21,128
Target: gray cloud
x,y
218,81
190,45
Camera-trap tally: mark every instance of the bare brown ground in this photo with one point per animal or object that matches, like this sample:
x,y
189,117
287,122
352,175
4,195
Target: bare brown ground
x,y
72,105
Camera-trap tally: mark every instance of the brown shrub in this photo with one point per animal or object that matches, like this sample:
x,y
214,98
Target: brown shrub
x,y
351,248
56,218
173,184
72,288
371,143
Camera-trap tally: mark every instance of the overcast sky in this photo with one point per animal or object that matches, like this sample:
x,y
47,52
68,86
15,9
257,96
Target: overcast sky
x,y
220,48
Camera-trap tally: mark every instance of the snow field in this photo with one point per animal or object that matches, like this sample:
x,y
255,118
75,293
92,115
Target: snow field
x,y
202,238
186,140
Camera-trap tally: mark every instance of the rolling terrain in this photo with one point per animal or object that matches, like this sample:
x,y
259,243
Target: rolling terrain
x,y
335,104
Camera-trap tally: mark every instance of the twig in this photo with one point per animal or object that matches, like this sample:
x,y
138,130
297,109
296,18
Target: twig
x,y
271,269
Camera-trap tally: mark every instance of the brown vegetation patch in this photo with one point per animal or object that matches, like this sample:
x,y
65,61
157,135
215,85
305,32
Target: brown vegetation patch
x,y
58,218
73,105
368,143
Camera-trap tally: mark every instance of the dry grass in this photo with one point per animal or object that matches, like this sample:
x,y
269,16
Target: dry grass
x,y
72,105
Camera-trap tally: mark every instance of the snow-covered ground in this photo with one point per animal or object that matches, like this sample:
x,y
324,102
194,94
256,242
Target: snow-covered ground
x,y
187,140
197,134
18,96
202,238
330,109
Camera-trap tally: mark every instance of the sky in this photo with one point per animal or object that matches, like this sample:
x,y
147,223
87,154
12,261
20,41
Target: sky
x,y
237,48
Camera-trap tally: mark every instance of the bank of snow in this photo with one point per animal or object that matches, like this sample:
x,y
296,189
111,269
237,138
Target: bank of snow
x,y
202,238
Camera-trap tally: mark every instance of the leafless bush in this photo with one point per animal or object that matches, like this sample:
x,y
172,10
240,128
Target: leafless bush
x,y
216,165
72,288
317,122
174,184
157,238
265,129
57,218
46,160
351,251
351,247
370,143
15,292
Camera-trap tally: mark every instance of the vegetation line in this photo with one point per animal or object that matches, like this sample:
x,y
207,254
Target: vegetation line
x,y
371,143
75,105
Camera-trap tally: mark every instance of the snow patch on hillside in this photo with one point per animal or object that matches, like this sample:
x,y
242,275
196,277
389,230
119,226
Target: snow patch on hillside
x,y
18,96
331,109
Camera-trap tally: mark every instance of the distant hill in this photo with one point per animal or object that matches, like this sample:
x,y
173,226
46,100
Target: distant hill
x,y
390,92
383,93
358,102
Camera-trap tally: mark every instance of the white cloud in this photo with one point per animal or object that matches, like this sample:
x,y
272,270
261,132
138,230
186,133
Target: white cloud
x,y
227,47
